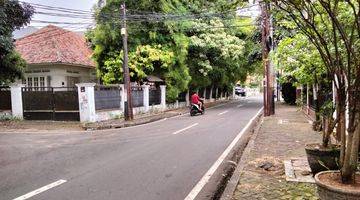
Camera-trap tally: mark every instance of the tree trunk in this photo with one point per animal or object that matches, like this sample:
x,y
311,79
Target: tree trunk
x,y
328,123
355,146
341,126
346,169
325,138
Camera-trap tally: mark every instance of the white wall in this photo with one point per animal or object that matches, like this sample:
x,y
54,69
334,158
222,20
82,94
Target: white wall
x,y
59,72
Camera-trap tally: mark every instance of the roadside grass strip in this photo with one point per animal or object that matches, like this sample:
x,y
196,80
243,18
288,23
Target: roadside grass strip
x,y
40,190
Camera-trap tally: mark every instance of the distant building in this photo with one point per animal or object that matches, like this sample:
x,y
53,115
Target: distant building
x,y
56,58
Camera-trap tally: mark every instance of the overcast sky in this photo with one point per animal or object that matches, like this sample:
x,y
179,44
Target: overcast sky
x,y
71,4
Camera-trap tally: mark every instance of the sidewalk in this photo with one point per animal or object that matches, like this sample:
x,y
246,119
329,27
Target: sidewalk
x,y
280,137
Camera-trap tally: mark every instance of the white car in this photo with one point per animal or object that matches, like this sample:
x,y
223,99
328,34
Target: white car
x,y
240,91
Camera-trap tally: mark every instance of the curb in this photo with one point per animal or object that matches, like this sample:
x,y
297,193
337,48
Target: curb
x,y
236,174
134,123
153,118
216,186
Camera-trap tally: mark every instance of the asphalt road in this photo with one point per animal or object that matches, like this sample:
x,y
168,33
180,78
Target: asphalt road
x,y
163,160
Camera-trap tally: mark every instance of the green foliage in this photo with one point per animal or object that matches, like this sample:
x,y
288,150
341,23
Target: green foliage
x,y
13,15
298,58
11,67
183,52
215,56
288,91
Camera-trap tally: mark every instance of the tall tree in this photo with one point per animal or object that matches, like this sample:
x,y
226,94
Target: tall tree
x,y
333,27
13,15
183,42
152,45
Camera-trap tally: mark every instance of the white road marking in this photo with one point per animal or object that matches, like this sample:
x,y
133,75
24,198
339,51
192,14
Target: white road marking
x,y
205,179
239,106
184,129
223,112
40,190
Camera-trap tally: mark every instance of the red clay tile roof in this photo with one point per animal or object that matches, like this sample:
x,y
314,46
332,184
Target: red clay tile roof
x,y
53,44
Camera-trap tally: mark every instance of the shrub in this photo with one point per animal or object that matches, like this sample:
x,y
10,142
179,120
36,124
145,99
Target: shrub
x,y
288,93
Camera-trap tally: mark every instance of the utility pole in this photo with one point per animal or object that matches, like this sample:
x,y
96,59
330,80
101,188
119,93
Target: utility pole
x,y
266,40
128,103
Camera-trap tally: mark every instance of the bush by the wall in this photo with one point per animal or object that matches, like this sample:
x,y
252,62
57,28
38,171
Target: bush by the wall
x,y
288,93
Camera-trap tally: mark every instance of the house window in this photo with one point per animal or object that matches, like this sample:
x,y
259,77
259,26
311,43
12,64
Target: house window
x,y
38,81
42,83
29,82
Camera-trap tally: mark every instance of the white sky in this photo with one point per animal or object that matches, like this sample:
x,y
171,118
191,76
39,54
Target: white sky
x,y
71,4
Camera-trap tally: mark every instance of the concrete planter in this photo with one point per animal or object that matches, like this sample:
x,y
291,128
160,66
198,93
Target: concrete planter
x,y
321,159
327,190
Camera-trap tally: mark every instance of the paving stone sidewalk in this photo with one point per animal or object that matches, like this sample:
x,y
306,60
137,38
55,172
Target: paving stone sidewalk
x,y
280,137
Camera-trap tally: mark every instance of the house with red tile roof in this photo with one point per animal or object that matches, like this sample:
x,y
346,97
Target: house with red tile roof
x,y
56,58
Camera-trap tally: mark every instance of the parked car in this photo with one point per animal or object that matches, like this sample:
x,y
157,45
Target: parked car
x,y
240,91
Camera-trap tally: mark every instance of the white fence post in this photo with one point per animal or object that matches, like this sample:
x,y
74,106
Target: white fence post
x,y
146,97
233,93
204,94
122,99
163,96
187,98
177,104
216,93
86,93
16,101
307,98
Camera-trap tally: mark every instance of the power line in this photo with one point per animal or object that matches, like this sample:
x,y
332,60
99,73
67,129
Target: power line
x,y
70,10
57,22
42,6
182,29
151,16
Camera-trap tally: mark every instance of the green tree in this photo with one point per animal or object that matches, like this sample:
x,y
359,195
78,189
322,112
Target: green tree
x,y
152,46
215,56
13,15
333,28
207,50
298,58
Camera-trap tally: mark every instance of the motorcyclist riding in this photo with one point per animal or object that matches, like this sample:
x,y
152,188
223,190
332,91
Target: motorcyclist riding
x,y
195,99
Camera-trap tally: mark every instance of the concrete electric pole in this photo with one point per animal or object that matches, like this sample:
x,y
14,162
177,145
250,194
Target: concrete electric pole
x,y
128,103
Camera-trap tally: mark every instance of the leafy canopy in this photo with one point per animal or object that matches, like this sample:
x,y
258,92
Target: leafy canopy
x,y
196,53
13,15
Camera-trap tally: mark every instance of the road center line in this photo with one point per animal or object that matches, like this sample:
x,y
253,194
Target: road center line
x,y
184,129
240,106
205,179
223,112
40,190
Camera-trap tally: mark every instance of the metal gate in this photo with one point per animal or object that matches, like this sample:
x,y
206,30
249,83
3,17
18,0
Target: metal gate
x,y
51,103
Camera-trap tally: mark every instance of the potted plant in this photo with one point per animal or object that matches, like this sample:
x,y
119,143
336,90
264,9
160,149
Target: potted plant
x,y
324,156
